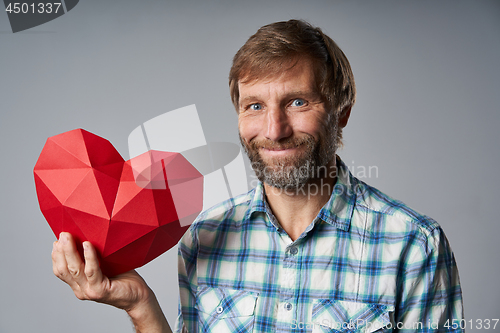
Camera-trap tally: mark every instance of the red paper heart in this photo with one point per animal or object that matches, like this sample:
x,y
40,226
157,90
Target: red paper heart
x,y
129,211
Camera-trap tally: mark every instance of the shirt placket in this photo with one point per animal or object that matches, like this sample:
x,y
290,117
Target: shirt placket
x,y
287,307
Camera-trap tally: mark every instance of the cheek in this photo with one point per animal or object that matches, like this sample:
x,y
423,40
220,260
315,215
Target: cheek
x,y
314,125
248,129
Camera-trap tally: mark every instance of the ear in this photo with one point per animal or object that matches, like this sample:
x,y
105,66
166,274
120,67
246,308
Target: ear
x,y
344,116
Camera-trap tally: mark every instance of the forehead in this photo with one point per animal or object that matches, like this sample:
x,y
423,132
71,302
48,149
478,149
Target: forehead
x,y
299,76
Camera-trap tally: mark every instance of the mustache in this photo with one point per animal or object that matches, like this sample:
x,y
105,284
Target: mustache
x,y
287,143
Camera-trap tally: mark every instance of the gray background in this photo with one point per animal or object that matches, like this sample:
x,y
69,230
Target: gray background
x,y
428,83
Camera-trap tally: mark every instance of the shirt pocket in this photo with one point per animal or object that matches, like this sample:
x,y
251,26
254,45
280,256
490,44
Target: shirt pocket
x,y
334,316
225,310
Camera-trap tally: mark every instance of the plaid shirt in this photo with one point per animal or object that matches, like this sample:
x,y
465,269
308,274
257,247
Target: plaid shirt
x,y
366,263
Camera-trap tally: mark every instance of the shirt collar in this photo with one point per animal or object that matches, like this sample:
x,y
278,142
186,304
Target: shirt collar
x,y
337,211
258,202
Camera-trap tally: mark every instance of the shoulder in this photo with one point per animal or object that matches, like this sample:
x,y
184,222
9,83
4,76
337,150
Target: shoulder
x,y
231,211
216,224
387,215
378,208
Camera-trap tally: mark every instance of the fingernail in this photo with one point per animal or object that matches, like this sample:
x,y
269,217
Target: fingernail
x,y
63,238
85,246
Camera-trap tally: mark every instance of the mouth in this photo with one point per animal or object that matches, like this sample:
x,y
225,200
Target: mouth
x,y
275,152
279,151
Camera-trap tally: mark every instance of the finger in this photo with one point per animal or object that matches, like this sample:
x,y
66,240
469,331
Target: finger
x,y
74,262
60,267
92,270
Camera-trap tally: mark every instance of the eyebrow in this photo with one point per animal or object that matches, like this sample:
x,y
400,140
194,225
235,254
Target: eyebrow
x,y
247,100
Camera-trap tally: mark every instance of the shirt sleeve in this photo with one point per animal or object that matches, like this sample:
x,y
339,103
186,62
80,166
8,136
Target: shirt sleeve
x,y
431,295
187,319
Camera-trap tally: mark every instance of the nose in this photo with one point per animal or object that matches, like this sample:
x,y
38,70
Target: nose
x,y
277,124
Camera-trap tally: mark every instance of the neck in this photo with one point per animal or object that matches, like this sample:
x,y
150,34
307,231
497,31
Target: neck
x,y
296,208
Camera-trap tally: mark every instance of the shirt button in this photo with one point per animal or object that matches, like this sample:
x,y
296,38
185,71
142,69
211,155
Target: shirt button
x,y
294,250
219,309
288,306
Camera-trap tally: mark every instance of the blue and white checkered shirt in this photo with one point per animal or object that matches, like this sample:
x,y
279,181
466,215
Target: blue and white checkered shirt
x,y
366,263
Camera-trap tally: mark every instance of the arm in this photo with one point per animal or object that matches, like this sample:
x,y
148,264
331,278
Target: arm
x,y
187,320
126,291
431,287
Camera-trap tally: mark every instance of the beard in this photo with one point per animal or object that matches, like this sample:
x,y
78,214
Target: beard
x,y
294,171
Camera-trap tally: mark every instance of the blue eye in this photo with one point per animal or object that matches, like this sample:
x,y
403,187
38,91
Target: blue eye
x,y
298,102
256,107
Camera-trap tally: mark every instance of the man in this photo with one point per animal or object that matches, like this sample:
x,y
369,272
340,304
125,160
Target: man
x,y
311,248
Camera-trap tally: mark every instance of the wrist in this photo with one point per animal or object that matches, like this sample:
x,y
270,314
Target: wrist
x,y
147,316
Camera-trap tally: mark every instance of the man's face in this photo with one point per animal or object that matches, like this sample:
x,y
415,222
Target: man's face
x,y
285,128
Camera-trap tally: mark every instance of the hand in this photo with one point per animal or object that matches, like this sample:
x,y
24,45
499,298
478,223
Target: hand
x,y
127,291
